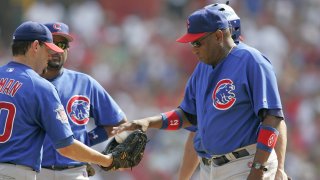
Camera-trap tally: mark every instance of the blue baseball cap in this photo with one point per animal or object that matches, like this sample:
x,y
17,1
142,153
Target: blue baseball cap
x,y
60,29
30,31
202,21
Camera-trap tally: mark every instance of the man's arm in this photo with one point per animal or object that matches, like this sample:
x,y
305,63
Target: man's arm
x,y
262,156
280,150
102,133
190,159
108,129
80,152
175,122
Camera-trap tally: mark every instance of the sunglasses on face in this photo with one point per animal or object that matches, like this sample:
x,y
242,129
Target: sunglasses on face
x,y
197,43
62,45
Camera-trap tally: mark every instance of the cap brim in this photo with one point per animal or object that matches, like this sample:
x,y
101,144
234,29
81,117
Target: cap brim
x,y
67,36
54,47
190,37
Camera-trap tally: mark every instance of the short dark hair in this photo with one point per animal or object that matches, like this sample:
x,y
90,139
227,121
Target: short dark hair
x,y
21,47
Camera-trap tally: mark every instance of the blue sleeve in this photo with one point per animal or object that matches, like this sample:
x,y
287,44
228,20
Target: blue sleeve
x,y
274,112
262,83
97,135
53,117
188,103
104,109
64,142
192,128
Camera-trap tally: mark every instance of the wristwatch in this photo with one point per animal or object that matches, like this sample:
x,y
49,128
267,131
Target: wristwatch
x,y
259,166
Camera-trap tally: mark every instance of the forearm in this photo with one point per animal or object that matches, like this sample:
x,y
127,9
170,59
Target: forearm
x,y
281,145
171,120
108,129
271,121
190,159
157,121
80,152
270,124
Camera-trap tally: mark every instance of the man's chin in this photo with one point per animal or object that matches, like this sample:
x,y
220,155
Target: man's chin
x,y
54,66
44,71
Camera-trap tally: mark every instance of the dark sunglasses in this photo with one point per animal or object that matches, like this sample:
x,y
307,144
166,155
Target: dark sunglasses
x,y
62,45
197,43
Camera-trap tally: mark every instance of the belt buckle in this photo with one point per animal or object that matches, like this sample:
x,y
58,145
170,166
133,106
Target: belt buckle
x,y
209,161
219,161
206,161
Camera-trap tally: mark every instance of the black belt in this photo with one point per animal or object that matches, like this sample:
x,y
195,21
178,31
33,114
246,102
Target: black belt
x,y
60,168
17,164
219,161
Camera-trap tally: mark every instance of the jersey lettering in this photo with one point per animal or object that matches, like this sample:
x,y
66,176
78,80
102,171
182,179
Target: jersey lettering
x,y
15,88
8,125
9,87
6,90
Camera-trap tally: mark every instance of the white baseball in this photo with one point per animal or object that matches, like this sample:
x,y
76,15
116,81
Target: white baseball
x,y
122,136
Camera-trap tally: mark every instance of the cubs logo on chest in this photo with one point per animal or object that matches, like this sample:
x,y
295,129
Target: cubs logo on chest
x,y
78,109
223,94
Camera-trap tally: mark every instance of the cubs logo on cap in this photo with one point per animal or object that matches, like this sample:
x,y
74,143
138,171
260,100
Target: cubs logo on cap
x,y
61,29
202,21
31,31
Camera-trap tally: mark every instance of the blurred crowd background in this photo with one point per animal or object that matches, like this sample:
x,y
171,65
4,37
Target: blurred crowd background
x,y
129,47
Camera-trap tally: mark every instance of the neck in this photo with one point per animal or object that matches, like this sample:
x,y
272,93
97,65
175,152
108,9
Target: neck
x,y
27,60
52,73
225,52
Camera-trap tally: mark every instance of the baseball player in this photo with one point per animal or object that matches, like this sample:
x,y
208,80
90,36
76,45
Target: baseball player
x,y
190,160
232,97
30,108
83,97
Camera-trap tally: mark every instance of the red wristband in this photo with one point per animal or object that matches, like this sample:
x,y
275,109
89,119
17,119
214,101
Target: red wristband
x,y
171,120
267,138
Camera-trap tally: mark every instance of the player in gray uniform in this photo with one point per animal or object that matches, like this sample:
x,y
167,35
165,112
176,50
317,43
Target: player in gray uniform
x,y
30,108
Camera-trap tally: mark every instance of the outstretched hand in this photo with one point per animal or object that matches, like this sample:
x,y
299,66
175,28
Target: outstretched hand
x,y
131,125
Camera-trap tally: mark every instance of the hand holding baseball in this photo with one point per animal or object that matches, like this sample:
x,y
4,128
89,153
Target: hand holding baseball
x,y
132,125
122,136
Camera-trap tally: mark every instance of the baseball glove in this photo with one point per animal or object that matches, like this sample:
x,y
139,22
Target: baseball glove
x,y
128,153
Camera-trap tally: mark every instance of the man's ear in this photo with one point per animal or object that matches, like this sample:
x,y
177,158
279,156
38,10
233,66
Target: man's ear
x,y
219,35
35,45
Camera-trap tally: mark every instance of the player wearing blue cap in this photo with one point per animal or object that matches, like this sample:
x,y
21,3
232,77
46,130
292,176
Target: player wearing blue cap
x,y
190,158
83,98
30,108
232,97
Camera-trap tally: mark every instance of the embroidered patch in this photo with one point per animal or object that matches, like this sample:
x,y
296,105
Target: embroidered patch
x,y
223,94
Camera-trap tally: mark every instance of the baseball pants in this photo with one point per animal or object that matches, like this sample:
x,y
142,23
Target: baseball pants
x,y
78,173
237,169
17,172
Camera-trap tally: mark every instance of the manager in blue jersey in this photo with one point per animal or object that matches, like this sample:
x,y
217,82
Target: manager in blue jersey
x,y
232,97
83,98
193,147
30,108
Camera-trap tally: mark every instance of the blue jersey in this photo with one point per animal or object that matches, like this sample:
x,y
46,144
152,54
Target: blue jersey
x,y
227,98
83,97
30,108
